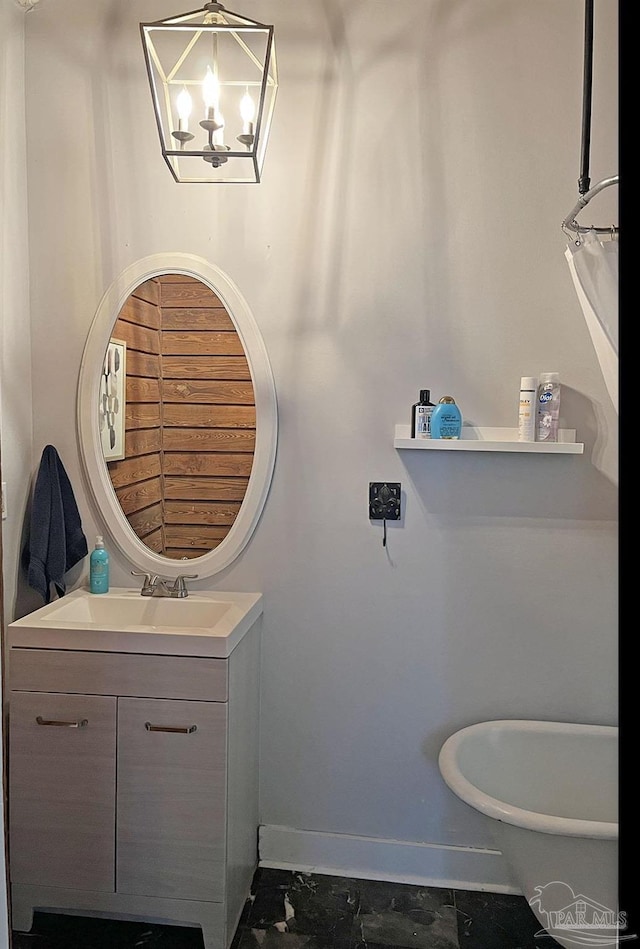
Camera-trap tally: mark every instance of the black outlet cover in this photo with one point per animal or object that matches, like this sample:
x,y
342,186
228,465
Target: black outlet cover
x,y
384,500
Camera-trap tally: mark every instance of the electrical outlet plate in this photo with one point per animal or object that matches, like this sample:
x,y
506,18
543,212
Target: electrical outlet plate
x,y
384,500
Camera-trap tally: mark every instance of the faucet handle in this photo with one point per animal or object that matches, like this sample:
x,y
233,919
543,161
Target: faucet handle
x,y
180,586
149,578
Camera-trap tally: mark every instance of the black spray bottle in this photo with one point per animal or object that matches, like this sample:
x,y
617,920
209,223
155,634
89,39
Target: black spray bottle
x,y
421,416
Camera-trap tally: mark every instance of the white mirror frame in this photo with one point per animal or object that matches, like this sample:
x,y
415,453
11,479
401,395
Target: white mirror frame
x,y
95,467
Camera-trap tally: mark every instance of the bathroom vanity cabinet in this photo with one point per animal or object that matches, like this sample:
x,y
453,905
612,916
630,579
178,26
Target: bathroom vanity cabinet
x,y
133,781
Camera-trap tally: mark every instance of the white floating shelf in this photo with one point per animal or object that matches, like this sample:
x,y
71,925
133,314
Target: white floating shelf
x,y
474,438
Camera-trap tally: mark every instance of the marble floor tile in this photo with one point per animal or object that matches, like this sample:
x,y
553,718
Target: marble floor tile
x,y
497,921
343,913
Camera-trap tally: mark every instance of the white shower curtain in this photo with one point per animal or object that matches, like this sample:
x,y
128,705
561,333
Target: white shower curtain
x,y
593,264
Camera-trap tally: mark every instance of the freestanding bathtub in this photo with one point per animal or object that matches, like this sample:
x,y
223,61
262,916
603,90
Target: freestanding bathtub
x,y
551,790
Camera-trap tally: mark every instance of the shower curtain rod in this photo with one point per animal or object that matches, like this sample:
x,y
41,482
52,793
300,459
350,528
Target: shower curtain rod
x,y
570,222
586,193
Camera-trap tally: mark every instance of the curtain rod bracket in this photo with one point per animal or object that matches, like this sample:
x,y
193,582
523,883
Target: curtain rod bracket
x,y
585,190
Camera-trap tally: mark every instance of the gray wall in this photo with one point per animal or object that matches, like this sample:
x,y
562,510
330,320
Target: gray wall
x,y
15,337
406,235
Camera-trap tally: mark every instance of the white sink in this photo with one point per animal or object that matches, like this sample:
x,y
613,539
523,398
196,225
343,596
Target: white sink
x,y
201,624
121,610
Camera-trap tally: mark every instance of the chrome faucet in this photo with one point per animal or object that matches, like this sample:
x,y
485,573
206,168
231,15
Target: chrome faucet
x,y
153,585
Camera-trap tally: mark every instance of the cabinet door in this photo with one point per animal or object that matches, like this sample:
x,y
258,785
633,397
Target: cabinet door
x,y
62,789
171,798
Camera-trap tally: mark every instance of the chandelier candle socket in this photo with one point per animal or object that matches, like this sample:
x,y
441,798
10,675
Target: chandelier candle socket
x,y
184,105
248,113
230,61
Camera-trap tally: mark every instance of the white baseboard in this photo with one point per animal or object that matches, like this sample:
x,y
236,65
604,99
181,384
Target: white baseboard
x,y
398,861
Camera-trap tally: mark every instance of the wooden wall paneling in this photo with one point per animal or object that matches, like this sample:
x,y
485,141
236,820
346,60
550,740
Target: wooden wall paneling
x,y
137,479
184,553
136,468
194,537
208,390
211,464
209,417
148,521
140,312
141,389
155,540
139,338
204,343
209,439
219,513
136,497
190,417
186,292
145,365
201,488
149,291
142,415
196,318
213,367
141,441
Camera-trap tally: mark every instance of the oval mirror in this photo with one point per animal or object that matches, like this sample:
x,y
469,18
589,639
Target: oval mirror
x,y
177,416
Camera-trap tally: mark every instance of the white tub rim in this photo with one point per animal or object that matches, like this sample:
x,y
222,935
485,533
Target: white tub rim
x,y
510,813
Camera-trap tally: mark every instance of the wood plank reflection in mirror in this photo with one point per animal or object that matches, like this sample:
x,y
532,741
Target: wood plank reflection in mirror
x,y
190,417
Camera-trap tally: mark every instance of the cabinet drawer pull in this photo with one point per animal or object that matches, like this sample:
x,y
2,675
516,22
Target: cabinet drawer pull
x,y
80,723
187,730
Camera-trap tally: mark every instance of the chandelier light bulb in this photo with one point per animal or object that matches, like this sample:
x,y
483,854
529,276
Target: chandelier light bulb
x,y
184,105
247,113
210,94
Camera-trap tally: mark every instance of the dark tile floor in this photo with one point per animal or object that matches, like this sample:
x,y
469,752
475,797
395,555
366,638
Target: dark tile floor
x,y
291,910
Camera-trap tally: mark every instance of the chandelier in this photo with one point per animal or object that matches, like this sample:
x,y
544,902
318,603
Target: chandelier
x,y
213,81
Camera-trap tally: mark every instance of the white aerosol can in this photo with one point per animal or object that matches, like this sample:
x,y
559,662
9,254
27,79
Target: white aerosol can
x,y
527,409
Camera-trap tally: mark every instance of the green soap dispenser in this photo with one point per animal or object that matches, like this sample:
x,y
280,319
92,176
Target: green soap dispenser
x,y
99,568
446,421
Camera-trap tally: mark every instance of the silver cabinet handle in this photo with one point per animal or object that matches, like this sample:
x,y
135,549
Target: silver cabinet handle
x,y
80,723
186,730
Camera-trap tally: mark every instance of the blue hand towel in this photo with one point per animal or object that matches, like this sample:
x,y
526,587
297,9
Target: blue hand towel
x,y
56,539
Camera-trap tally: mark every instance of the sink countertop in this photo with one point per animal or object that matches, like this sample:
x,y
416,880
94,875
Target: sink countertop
x,y
69,623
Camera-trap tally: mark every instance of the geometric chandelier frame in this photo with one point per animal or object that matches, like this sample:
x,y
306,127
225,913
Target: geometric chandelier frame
x,y
213,79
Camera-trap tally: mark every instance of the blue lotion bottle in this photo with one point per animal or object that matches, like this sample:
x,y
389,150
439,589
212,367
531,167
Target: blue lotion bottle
x,y
446,421
99,568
